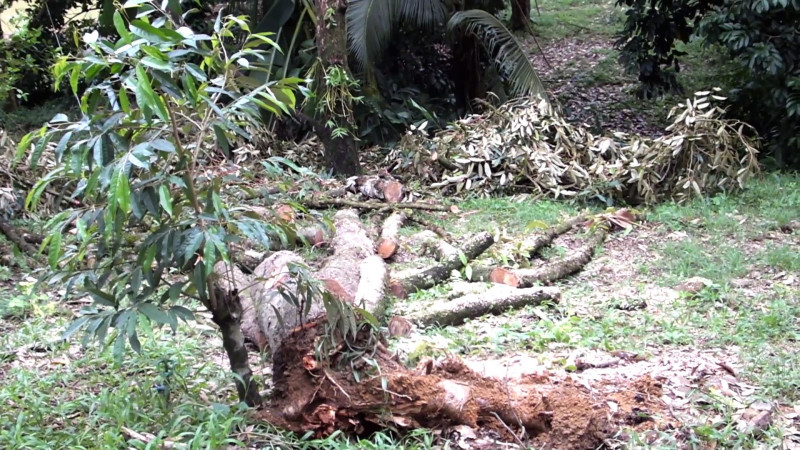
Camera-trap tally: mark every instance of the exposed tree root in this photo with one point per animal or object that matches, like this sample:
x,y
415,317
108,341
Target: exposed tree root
x,y
311,395
493,301
427,278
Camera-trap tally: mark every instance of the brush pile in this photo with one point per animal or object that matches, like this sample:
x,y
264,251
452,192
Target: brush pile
x,y
524,146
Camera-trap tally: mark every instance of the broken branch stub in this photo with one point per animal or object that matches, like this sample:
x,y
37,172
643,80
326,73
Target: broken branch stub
x,y
389,242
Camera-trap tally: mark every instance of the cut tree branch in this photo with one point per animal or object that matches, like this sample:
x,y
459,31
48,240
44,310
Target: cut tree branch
x,y
494,301
433,275
389,242
551,271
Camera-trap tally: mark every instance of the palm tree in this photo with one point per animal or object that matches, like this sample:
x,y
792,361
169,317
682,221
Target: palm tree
x,y
370,24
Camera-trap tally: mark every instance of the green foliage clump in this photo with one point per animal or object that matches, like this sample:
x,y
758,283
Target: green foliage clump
x,y
761,35
25,58
151,224
764,38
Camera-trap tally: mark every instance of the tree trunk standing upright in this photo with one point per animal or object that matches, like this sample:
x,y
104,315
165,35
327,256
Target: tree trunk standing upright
x,y
341,154
467,71
520,14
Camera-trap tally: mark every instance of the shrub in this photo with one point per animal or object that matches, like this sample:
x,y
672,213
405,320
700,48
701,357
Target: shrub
x,y
761,35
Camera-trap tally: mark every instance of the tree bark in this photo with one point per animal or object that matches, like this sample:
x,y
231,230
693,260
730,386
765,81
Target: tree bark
x,y
494,301
427,278
226,311
520,14
341,153
389,242
467,71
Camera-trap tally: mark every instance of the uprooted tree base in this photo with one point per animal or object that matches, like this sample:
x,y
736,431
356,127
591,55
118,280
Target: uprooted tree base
x,y
360,386
323,396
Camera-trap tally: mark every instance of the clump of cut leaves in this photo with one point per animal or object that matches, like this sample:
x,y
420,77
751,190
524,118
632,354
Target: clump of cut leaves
x,y
525,146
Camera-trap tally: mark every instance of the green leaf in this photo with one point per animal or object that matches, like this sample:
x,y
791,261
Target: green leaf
x,y
194,244
152,34
149,257
165,199
124,102
73,327
135,344
23,146
157,64
209,255
123,192
154,313
99,296
122,30
183,312
119,346
74,77
153,100
54,252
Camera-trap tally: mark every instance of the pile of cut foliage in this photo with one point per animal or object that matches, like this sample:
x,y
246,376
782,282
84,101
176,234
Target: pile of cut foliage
x,y
525,146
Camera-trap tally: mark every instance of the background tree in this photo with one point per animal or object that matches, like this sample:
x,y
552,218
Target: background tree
x,y
762,36
520,14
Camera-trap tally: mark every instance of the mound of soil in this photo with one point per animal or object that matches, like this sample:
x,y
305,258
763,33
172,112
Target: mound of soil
x,y
359,390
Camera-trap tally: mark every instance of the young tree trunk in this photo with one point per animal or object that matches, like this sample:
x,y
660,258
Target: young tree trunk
x,y
341,154
520,14
226,311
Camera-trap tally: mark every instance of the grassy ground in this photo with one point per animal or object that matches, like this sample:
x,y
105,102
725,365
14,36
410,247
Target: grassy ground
x,y
59,394
82,397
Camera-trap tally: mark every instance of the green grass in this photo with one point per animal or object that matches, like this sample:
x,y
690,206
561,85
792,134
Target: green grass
x,y
560,19
514,216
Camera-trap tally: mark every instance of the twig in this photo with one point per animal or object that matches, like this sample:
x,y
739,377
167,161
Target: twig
x,y
519,441
336,384
429,225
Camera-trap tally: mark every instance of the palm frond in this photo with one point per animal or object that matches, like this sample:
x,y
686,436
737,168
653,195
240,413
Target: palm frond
x,y
421,12
369,27
507,51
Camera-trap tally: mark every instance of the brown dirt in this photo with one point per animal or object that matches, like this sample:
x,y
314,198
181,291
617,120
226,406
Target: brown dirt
x,y
550,412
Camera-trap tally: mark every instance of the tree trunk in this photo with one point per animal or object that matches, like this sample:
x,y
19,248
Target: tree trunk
x,y
341,154
226,311
467,71
520,14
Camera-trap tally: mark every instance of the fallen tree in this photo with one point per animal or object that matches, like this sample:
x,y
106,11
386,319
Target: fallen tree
x,y
330,375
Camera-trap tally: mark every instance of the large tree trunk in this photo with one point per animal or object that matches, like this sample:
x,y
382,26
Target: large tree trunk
x,y
341,154
520,14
